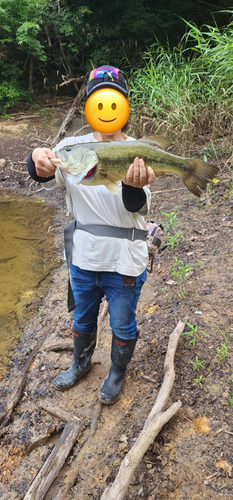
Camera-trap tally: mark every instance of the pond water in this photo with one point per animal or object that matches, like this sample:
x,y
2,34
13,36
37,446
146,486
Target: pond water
x,y
26,259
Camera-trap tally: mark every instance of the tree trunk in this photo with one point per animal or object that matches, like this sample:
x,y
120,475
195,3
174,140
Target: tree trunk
x,y
31,71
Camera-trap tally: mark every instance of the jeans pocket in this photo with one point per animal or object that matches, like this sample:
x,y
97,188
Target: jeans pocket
x,y
128,280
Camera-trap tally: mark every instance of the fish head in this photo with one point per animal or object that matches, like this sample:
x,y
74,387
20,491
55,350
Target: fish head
x,y
78,160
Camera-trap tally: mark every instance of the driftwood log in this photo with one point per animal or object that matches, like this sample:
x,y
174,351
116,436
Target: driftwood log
x,y
15,394
55,461
157,418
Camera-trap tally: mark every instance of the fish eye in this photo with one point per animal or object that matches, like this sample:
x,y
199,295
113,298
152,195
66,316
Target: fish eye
x,y
113,106
68,149
100,105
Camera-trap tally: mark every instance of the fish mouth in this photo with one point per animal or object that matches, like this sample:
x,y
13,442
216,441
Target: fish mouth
x,y
91,174
107,121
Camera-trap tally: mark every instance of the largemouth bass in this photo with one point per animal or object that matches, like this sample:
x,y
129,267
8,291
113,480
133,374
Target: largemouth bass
x,y
107,163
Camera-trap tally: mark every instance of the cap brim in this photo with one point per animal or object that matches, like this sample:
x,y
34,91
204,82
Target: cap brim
x,y
106,85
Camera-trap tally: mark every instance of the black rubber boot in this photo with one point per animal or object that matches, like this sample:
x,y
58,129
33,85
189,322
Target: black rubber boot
x,y
84,345
121,354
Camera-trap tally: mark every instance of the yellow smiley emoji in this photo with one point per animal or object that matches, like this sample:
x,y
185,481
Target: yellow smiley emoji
x,y
107,111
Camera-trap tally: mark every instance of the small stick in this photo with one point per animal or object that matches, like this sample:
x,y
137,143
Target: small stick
x,y
168,190
37,191
60,347
56,411
49,229
149,378
228,432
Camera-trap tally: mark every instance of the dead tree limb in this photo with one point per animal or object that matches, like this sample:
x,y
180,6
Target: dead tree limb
x,y
156,419
15,394
55,410
70,115
55,461
66,346
71,476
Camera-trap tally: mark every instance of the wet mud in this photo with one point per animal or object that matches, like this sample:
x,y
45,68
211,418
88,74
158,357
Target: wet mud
x,y
191,458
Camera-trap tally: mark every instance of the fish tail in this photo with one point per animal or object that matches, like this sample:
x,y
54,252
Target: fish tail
x,y
198,176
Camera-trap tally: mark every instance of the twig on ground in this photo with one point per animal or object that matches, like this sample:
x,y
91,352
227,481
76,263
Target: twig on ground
x,y
49,229
56,411
37,191
149,378
65,346
168,190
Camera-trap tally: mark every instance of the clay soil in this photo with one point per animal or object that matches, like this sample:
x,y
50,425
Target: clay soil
x,y
191,458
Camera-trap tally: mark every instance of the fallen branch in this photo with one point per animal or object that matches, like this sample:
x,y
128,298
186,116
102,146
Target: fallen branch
x,y
25,117
55,461
70,115
66,82
71,476
66,346
15,394
55,410
156,419
37,191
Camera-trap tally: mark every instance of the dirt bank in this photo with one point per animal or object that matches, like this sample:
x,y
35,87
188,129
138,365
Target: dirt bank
x,y
191,458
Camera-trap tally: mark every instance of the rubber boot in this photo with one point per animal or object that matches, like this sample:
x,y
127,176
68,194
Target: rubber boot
x,y
84,345
121,354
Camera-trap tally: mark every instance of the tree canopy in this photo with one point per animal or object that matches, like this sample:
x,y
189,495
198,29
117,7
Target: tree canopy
x,y
44,41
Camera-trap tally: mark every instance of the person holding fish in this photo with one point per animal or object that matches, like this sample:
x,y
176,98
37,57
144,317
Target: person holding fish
x,y
107,193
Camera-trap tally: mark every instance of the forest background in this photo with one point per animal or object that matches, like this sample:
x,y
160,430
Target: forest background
x,y
178,57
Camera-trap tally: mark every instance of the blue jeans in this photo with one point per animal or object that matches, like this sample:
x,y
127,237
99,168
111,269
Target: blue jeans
x,y
89,287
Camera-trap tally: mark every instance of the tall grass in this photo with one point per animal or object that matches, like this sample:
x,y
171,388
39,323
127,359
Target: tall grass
x,y
187,90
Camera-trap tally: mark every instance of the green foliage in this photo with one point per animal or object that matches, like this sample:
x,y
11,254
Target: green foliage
x,y
198,380
230,397
197,364
180,271
177,88
187,89
194,332
223,349
172,218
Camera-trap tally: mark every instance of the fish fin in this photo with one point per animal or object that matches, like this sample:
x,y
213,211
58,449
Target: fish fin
x,y
158,140
113,187
55,161
111,180
198,176
111,176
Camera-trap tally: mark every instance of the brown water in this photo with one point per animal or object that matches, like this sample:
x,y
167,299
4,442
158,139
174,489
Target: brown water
x,y
26,258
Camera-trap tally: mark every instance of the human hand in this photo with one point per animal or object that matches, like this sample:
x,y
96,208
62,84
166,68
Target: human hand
x,y
41,157
138,175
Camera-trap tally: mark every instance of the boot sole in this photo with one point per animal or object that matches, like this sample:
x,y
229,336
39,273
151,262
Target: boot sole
x,y
108,401
68,386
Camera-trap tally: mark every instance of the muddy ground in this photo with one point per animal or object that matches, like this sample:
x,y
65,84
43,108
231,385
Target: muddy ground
x,y
192,456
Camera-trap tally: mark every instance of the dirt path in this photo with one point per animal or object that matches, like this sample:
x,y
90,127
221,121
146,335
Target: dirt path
x,y
192,457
